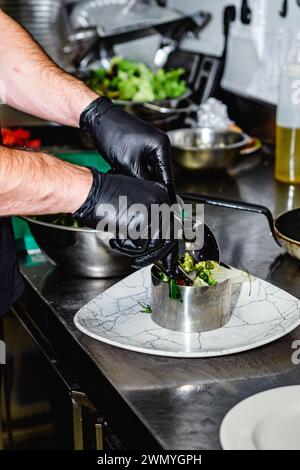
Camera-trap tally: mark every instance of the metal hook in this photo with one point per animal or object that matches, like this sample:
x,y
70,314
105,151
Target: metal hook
x,y
284,9
245,13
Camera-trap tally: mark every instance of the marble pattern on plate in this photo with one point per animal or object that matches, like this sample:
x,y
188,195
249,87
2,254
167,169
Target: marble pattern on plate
x,y
261,313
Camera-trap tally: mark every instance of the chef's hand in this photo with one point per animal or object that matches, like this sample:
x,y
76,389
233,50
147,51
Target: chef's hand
x,y
130,145
142,241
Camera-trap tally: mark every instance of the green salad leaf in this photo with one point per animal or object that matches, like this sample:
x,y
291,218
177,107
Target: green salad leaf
x,y
135,81
174,290
187,263
203,272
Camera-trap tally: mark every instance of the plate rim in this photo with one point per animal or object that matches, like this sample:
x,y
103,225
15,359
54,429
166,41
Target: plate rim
x,y
191,355
156,352
238,409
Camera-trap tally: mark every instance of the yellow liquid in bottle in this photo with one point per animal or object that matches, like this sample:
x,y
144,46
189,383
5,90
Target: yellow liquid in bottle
x,y
287,168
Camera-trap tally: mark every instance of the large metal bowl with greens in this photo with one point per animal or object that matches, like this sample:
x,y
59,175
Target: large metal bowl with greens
x,y
127,80
77,250
134,86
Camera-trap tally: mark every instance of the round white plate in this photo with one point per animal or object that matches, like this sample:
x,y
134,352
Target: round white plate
x,y
267,421
261,313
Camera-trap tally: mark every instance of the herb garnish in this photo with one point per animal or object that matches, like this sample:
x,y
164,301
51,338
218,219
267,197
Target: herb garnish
x,y
145,308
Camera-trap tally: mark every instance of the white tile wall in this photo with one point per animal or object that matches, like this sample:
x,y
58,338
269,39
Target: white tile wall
x,y
257,51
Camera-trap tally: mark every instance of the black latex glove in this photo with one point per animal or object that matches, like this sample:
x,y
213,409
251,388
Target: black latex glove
x,y
107,189
130,145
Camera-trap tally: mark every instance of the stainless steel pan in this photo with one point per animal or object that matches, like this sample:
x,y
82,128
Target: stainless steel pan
x,y
287,229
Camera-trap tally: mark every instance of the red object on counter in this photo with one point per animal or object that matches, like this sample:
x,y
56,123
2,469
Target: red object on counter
x,y
19,138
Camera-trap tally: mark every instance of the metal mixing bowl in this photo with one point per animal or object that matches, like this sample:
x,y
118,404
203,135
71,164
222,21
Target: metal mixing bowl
x,y
201,309
79,251
206,148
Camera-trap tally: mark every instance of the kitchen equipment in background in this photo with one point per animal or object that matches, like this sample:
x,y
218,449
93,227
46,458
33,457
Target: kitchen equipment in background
x,y
284,9
287,167
161,35
128,327
210,41
269,420
206,148
48,22
164,110
246,12
79,251
115,17
176,36
202,308
128,31
154,46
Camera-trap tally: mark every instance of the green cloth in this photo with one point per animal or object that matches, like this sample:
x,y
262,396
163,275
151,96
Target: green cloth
x,y
86,158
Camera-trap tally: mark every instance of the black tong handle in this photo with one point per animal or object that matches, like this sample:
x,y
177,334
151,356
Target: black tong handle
x,y
238,205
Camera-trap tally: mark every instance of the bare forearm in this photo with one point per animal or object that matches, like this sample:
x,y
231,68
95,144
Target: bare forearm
x,y
37,183
31,82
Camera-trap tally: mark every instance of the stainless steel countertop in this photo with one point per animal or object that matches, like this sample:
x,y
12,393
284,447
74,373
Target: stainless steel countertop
x,y
182,402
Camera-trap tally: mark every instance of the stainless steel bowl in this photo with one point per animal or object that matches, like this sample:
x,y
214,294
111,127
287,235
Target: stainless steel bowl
x,y
79,251
205,148
201,309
